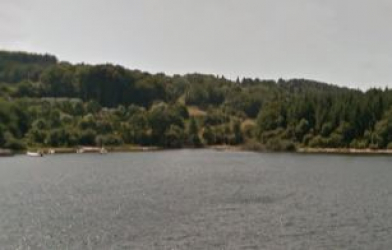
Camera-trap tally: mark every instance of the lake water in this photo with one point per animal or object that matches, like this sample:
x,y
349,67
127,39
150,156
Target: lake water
x,y
196,199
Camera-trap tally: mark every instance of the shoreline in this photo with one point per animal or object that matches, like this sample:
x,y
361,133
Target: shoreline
x,y
6,153
237,148
352,151
91,149
113,149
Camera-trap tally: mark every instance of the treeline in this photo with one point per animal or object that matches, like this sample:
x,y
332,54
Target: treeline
x,y
19,66
44,102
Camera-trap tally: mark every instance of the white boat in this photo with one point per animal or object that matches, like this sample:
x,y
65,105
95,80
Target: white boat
x,y
35,154
103,151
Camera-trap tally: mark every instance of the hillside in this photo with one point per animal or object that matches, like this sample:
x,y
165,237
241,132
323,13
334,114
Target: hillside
x,y
48,103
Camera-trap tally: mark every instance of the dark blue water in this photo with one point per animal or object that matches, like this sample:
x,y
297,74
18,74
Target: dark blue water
x,y
196,199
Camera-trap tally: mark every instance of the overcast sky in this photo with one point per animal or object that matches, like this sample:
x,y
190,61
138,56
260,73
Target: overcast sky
x,y
346,42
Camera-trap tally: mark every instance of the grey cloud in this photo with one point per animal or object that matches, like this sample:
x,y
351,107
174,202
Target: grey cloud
x,y
344,42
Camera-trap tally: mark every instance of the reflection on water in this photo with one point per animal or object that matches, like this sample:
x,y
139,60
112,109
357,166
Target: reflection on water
x,y
196,199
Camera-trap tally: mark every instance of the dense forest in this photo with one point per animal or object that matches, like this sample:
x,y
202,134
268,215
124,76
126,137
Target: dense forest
x,y
48,103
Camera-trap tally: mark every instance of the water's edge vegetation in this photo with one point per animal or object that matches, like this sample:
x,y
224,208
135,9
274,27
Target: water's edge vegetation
x,y
46,103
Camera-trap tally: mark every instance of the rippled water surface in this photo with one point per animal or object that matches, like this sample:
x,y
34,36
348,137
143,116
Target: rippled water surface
x,y
196,199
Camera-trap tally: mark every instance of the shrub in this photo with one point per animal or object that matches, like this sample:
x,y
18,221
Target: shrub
x,y
109,140
254,146
280,145
359,143
15,144
307,138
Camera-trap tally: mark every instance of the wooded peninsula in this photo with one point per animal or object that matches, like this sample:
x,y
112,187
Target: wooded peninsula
x,y
45,103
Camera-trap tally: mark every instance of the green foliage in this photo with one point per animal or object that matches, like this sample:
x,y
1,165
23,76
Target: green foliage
x,y
360,144
13,143
247,102
383,130
174,137
160,118
108,140
18,66
58,138
326,129
193,134
208,135
204,91
2,138
47,103
107,84
215,117
58,81
238,137
271,117
280,145
86,137
301,129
